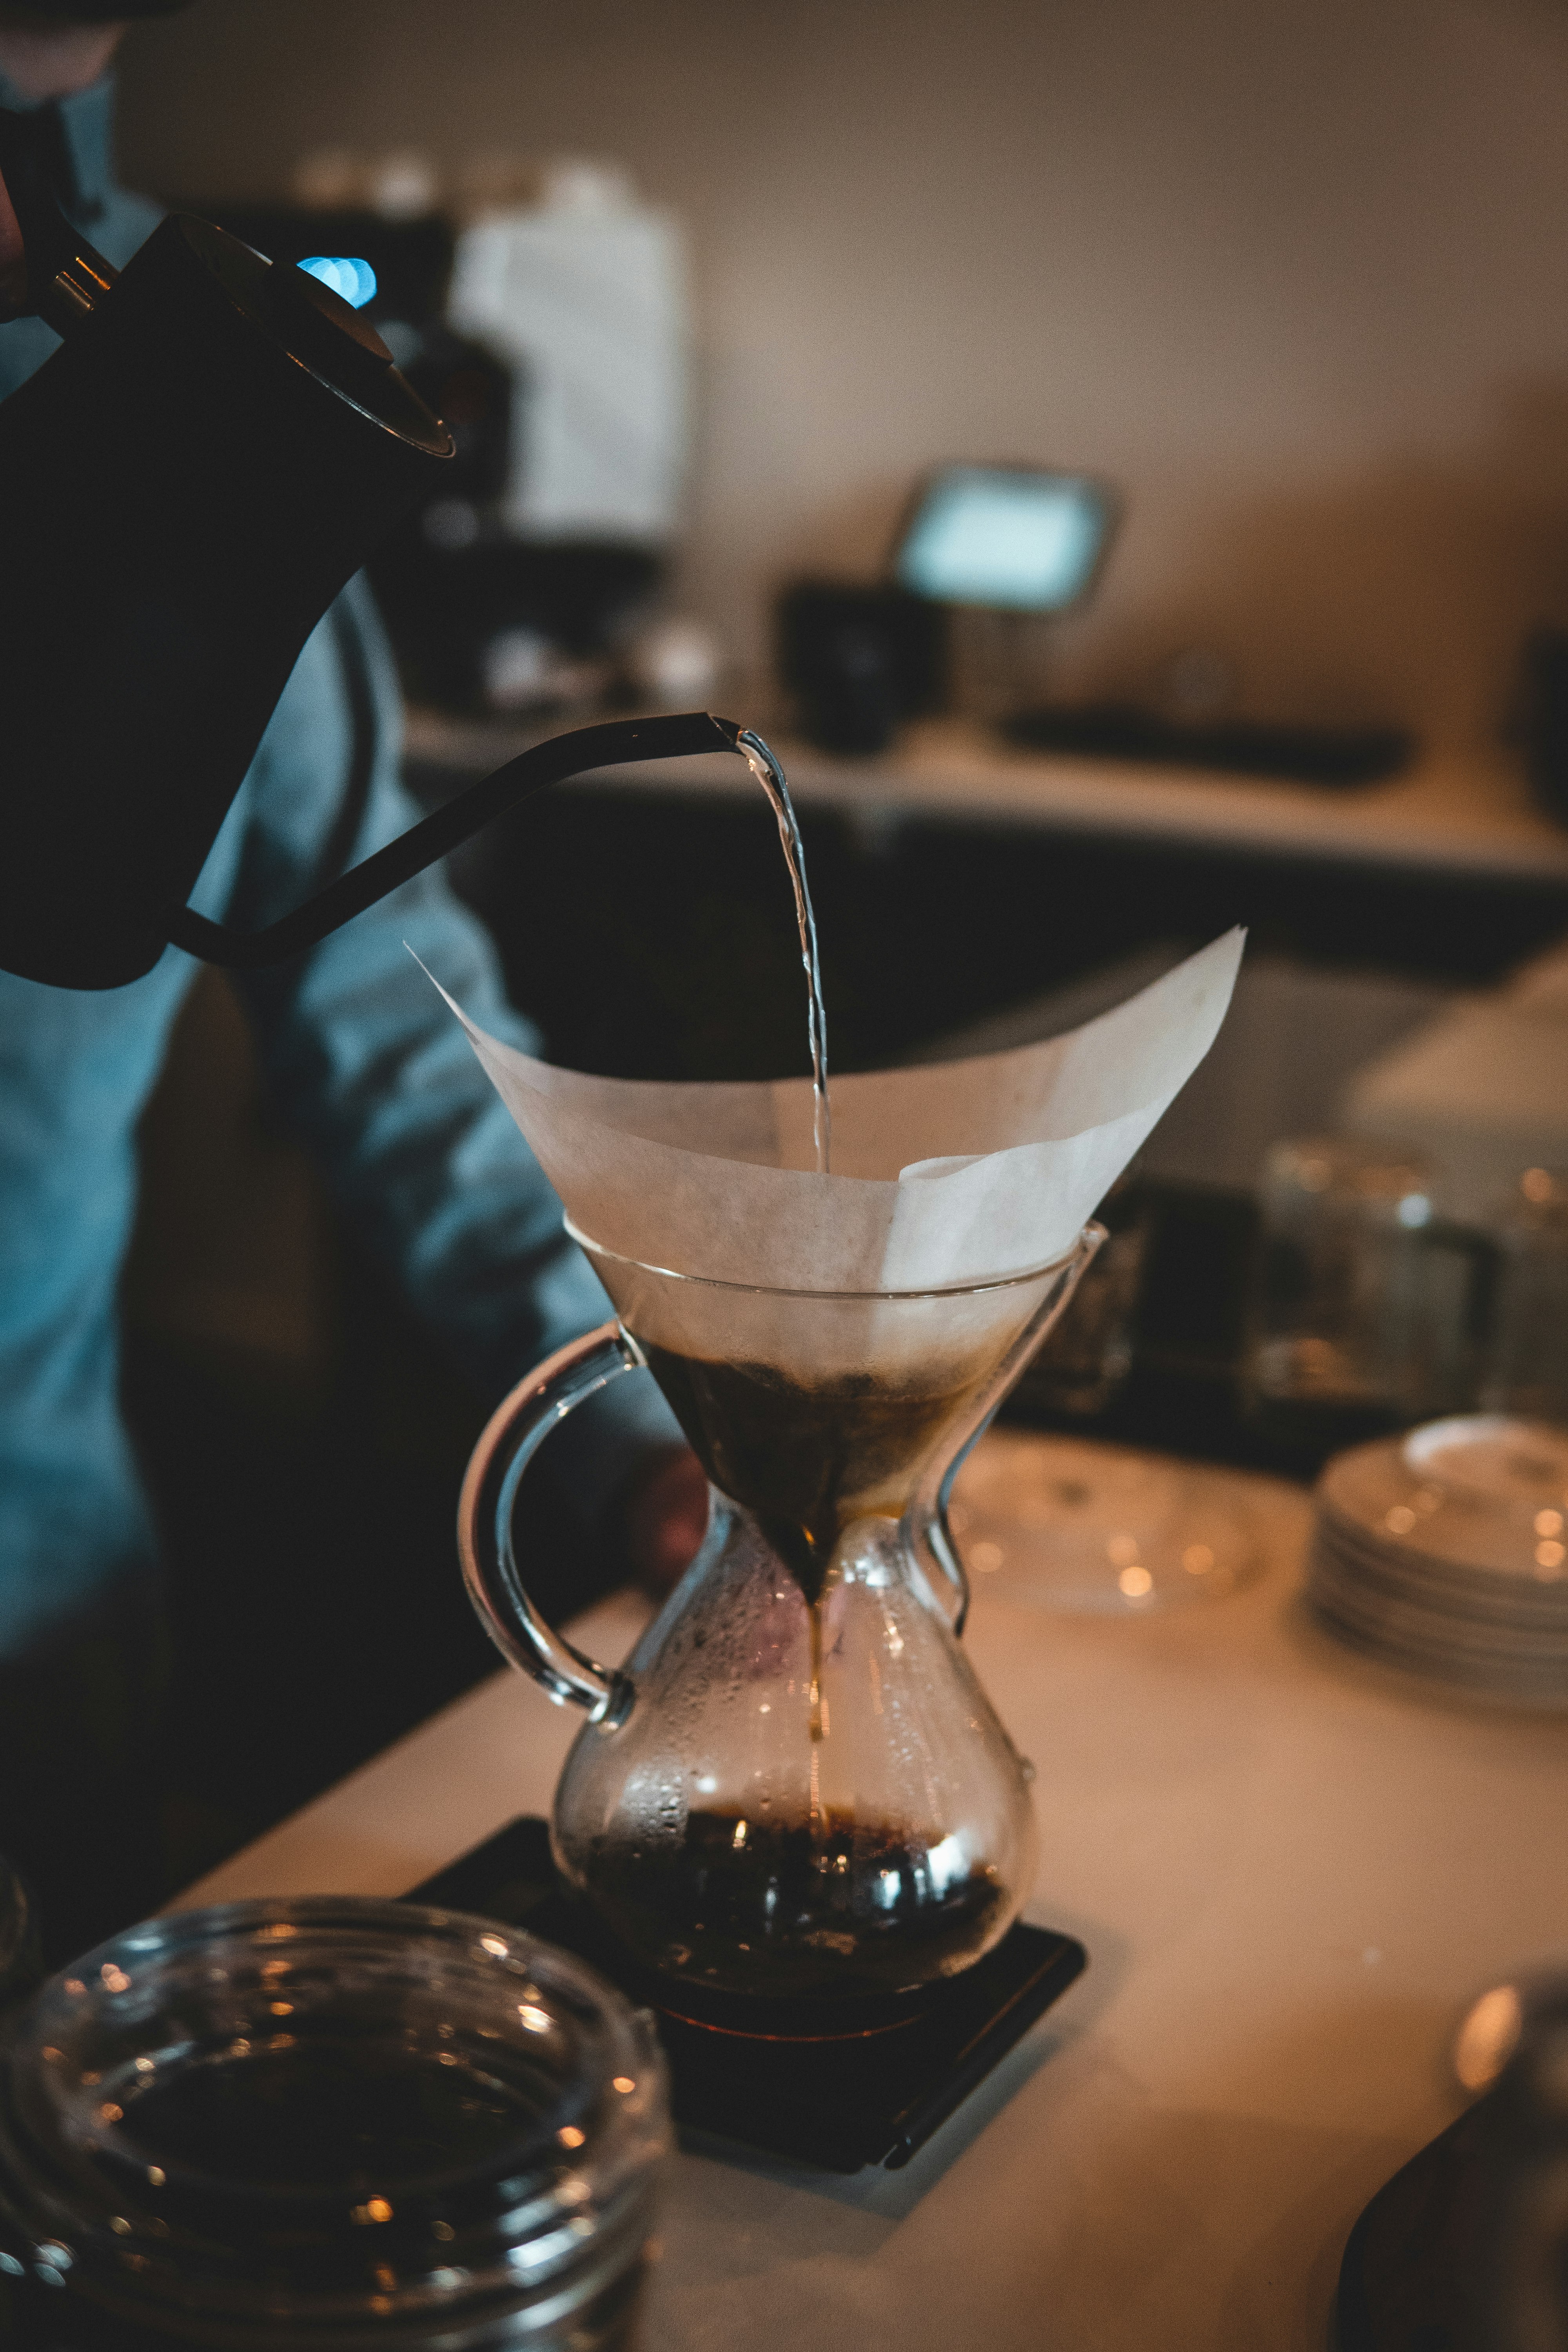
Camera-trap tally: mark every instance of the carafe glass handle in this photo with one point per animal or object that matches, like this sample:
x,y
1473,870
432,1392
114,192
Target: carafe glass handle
x,y
516,1431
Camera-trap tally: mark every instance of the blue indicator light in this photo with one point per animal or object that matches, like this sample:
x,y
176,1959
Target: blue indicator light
x,y
354,281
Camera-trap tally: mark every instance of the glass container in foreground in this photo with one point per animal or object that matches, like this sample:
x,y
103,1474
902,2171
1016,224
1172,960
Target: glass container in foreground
x,y
326,2122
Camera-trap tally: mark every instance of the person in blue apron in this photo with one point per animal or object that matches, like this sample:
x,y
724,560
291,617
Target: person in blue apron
x,y
365,1063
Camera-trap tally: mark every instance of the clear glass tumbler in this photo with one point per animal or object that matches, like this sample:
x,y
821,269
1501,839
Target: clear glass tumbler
x,y
1362,1305
326,2122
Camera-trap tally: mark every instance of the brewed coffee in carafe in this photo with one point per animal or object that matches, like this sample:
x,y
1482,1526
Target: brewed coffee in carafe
x,y
805,1459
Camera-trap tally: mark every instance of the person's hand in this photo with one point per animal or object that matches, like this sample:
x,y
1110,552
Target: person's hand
x,y
664,1517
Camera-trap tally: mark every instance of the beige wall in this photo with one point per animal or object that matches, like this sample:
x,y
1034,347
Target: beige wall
x,y
1294,271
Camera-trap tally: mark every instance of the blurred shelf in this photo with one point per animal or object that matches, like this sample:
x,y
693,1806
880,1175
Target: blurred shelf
x,y
1449,814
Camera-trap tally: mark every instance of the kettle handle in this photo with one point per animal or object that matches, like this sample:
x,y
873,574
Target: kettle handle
x,y
513,1435
612,743
66,276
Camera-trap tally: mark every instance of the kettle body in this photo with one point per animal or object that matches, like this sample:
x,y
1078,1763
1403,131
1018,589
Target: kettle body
x,y
187,483
214,449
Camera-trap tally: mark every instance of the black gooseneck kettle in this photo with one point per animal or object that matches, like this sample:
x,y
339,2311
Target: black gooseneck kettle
x,y
184,486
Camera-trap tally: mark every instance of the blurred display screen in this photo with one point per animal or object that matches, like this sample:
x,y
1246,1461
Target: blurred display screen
x,y
1004,536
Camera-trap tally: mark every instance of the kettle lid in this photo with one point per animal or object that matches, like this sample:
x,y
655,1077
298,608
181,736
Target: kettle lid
x,y
70,281
317,329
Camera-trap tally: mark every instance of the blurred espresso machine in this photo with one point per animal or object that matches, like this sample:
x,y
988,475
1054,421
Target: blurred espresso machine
x,y
543,315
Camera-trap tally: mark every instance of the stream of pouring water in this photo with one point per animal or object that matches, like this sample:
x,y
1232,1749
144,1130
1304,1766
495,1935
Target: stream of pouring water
x,y
771,777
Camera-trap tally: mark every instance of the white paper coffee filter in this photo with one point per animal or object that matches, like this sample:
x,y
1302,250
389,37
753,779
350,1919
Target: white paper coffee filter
x,y
948,1173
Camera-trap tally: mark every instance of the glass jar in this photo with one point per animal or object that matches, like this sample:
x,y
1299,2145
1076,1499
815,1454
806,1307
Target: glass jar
x,y
1363,1314
327,2122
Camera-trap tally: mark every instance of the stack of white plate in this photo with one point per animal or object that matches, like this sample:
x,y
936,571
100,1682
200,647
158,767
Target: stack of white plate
x,y
1445,1552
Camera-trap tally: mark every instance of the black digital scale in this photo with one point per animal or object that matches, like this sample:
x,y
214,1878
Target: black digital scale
x,y
834,2090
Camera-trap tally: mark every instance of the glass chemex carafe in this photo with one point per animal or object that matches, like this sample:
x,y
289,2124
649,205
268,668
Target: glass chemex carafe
x,y
797,1791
